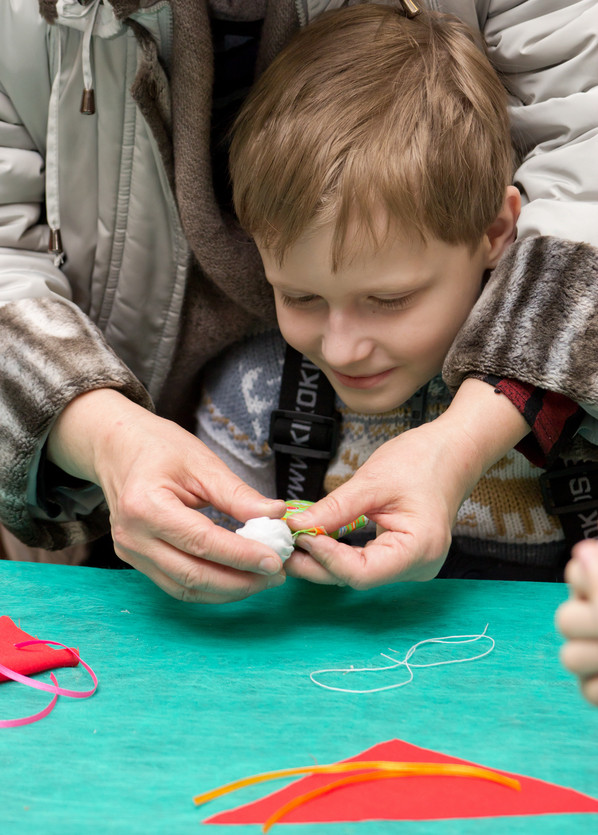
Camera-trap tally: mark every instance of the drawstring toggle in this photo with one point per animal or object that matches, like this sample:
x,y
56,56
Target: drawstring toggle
x,y
55,247
88,102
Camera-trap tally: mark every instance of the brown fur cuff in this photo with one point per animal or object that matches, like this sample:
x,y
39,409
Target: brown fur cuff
x,y
536,321
49,353
47,9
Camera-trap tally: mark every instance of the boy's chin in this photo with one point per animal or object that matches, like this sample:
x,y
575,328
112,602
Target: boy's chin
x,y
371,403
393,393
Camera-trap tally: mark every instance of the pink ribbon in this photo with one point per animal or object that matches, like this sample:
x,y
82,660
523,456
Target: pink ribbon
x,y
50,688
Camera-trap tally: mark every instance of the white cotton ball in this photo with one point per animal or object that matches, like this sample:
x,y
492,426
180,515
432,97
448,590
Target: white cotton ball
x,y
272,532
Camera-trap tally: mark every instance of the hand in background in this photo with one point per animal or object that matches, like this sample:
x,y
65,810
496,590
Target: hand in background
x,y
155,476
577,619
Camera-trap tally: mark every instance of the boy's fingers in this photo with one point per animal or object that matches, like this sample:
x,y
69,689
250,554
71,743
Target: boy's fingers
x,y
587,552
581,571
578,619
581,657
589,688
577,579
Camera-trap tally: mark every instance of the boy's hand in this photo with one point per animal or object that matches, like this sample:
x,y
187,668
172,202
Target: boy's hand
x,y
155,476
577,619
412,487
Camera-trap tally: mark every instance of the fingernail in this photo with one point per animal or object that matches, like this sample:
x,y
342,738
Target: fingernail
x,y
269,565
276,580
588,556
304,542
301,521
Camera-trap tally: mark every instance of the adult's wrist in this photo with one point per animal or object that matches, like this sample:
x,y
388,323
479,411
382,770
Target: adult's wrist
x,y
85,429
484,424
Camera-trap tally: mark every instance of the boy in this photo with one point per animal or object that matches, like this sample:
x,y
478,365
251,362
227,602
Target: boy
x,y
377,190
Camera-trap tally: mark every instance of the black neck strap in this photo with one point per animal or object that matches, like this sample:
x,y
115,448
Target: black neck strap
x,y
571,493
304,430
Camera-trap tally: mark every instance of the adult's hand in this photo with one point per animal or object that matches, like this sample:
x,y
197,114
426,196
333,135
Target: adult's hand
x,y
155,476
577,619
412,487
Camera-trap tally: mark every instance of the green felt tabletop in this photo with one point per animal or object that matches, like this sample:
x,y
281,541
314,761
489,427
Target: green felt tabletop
x,y
193,696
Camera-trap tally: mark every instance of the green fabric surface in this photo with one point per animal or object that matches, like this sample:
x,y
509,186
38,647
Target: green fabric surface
x,y
193,696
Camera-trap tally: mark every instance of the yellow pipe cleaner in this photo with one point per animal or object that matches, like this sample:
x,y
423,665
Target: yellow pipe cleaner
x,y
374,770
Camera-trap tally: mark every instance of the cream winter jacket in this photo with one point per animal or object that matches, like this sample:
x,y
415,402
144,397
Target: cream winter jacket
x,y
109,314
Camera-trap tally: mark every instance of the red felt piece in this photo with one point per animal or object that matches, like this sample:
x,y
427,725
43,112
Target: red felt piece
x,y
412,798
29,660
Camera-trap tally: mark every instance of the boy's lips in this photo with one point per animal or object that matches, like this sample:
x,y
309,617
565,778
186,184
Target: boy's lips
x,y
364,382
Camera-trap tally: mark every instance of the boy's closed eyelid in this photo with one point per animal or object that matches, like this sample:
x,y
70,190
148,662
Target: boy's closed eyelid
x,y
385,302
393,302
298,301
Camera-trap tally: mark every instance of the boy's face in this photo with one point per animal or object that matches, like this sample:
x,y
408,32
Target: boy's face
x,y
381,326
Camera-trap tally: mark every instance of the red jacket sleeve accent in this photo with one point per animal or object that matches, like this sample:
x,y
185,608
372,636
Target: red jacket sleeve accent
x,y
553,418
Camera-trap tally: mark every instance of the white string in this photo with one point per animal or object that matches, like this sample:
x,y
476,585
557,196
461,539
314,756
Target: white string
x,y
52,137
447,639
92,13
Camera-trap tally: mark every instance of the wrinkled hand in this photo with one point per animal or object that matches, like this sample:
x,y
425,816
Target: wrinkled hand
x,y
154,476
412,487
577,619
408,488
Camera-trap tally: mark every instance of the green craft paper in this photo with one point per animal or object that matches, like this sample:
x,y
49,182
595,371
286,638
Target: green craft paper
x,y
193,696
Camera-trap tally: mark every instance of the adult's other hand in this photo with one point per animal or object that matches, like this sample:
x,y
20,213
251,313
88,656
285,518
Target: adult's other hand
x,y
412,487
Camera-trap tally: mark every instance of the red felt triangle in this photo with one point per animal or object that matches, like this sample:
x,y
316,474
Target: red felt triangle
x,y
412,798
29,660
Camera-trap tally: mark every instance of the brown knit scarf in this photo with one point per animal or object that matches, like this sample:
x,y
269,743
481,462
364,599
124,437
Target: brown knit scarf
x,y
227,295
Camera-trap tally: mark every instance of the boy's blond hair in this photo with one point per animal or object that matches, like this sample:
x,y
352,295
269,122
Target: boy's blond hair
x,y
367,110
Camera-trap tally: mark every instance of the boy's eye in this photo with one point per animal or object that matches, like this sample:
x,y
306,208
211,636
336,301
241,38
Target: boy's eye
x,y
393,303
297,301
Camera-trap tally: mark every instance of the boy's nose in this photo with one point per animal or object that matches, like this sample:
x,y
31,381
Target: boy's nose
x,y
344,343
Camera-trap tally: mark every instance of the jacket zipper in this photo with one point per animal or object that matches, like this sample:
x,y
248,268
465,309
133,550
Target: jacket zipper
x,y
301,13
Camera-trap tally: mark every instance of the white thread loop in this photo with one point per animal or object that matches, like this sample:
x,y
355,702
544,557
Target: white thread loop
x,y
405,662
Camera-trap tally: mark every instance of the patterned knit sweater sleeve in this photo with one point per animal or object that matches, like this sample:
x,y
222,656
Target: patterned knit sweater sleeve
x,y
240,391
537,321
40,503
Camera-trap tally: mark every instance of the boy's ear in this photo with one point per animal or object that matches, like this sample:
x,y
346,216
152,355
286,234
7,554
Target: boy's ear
x,y
503,230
